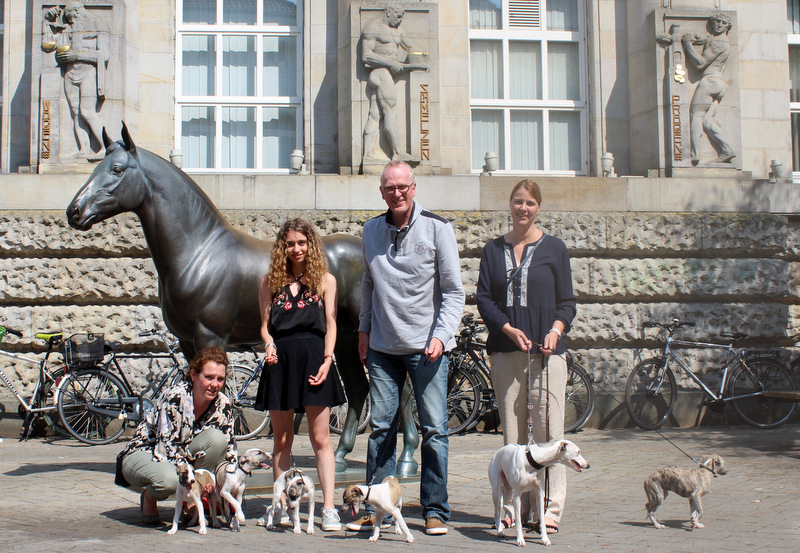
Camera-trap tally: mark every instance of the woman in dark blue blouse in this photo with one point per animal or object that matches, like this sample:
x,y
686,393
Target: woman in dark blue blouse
x,y
525,297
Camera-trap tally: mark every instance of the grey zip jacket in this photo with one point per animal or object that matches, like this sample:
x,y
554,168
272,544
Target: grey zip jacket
x,y
411,290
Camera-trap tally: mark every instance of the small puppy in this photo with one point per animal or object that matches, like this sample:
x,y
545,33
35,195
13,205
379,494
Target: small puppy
x,y
291,488
192,486
517,469
691,483
385,497
231,483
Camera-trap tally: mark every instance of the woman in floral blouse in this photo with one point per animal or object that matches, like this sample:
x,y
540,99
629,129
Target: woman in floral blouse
x,y
191,416
297,299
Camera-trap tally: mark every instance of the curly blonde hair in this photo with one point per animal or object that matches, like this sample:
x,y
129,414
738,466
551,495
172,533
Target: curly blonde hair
x,y
279,274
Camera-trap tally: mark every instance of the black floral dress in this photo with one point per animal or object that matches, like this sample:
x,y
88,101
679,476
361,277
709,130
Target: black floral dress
x,y
297,324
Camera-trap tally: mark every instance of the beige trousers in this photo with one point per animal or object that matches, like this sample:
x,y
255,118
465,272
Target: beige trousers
x,y
510,383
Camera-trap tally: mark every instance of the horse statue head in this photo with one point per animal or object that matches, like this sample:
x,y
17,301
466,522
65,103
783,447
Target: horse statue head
x,y
116,185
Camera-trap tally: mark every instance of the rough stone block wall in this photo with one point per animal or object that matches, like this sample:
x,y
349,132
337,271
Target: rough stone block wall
x,y
726,272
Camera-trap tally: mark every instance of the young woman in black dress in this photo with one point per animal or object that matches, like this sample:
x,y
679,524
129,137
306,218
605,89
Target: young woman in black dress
x,y
297,298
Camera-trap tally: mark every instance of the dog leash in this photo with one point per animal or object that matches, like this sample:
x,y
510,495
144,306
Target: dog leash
x,y
695,461
546,419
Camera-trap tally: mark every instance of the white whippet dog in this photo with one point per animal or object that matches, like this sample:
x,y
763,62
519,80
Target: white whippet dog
x,y
516,469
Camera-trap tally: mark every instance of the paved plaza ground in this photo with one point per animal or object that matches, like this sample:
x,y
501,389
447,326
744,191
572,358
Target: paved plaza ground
x,y
59,496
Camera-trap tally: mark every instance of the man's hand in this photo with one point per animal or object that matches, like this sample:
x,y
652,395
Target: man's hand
x,y
363,346
434,350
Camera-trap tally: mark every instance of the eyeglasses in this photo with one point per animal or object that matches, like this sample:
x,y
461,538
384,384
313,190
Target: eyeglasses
x,y
402,188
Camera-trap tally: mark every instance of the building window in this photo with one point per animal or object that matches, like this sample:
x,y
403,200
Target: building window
x,y
793,12
239,83
528,85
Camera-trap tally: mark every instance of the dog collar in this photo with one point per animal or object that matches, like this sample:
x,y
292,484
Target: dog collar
x,y
247,472
709,470
366,497
531,460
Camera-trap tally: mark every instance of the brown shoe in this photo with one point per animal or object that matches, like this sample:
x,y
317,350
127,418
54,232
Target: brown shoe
x,y
434,526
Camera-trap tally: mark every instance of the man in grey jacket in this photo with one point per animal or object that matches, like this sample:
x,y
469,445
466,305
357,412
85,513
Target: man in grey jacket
x,y
411,304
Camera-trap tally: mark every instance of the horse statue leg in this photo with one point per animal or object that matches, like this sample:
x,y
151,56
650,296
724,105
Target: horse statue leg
x,y
406,465
356,387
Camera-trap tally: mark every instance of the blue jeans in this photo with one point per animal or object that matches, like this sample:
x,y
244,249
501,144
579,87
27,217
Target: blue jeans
x,y
429,379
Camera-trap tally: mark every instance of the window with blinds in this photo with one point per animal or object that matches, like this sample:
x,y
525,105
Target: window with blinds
x,y
528,85
239,83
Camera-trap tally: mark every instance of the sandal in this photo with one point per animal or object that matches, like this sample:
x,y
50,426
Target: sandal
x,y
147,519
551,527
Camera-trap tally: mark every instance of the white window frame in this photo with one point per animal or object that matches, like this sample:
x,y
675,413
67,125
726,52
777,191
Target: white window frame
x,y
258,101
794,107
544,37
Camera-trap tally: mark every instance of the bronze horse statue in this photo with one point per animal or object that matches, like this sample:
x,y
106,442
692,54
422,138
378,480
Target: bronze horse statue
x,y
208,272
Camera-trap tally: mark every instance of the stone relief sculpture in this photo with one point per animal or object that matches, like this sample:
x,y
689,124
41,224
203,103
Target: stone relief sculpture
x,y
82,47
711,62
709,54
387,51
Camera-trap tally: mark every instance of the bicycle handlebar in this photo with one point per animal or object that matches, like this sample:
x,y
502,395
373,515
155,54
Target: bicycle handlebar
x,y
668,326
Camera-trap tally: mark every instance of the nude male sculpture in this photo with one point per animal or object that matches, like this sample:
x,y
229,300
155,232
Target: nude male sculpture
x,y
384,50
711,62
82,52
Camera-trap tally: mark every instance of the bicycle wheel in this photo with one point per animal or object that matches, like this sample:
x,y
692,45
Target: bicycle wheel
x,y
760,408
650,394
242,389
579,401
464,394
339,416
89,404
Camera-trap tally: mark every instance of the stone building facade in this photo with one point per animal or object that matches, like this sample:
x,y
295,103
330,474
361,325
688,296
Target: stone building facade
x,y
601,101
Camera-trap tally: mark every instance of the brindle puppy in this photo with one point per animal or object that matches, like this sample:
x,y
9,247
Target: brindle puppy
x,y
691,483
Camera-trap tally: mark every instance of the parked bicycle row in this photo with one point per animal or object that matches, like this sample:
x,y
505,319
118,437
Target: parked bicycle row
x,y
89,394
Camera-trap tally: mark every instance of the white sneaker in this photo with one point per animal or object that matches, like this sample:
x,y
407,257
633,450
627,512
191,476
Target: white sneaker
x,y
330,520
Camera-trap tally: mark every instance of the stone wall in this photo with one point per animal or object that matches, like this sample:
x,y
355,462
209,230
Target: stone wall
x,y
726,272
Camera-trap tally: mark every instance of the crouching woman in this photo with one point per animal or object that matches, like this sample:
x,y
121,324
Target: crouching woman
x,y
191,416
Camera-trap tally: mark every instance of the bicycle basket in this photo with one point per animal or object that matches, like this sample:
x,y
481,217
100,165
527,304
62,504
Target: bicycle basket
x,y
84,349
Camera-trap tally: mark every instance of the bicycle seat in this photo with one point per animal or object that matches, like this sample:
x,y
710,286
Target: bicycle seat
x,y
50,337
733,336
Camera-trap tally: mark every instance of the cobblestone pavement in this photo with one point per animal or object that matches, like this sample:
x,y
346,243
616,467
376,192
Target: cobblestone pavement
x,y
59,496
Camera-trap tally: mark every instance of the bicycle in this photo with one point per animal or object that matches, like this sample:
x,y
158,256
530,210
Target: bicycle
x,y
241,387
759,388
580,396
97,403
45,392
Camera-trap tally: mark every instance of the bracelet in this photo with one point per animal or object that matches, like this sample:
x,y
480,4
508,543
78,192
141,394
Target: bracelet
x,y
556,331
270,344
324,357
